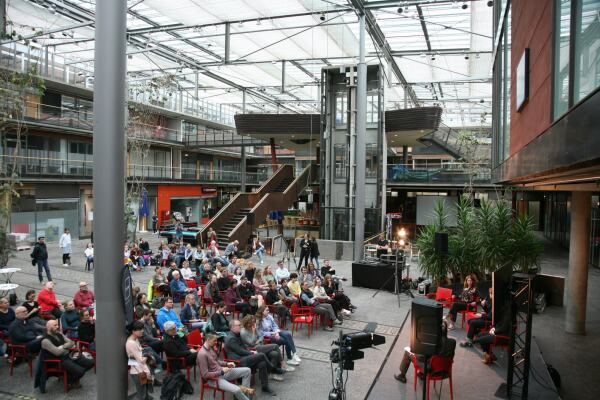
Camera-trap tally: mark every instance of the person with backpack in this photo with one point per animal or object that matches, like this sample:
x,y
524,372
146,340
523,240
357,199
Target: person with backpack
x,y
211,368
39,257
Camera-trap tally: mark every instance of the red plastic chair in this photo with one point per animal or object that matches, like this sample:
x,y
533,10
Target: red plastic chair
x,y
87,347
54,367
20,351
194,339
302,316
442,295
471,308
191,284
205,385
440,368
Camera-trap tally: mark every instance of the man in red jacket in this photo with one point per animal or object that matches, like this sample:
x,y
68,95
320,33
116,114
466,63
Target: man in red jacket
x,y
84,298
48,303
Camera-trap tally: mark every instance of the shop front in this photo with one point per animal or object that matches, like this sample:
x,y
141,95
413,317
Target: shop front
x,y
194,204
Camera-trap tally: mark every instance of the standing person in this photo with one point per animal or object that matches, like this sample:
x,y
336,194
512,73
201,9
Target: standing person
x,y
258,248
179,232
314,252
139,371
211,368
304,250
40,257
382,246
154,222
65,245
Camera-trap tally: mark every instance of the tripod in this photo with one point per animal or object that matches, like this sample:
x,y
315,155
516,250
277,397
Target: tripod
x,y
288,254
397,290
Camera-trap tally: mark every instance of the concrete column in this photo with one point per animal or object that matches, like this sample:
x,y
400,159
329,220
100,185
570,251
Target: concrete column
x,y
109,192
361,150
579,246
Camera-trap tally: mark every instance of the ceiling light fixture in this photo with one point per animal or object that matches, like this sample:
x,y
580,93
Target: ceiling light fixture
x,y
322,17
490,3
258,22
464,6
400,10
241,24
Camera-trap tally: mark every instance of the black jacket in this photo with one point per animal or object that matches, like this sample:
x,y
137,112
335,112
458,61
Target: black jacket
x,y
234,347
314,249
247,290
272,296
219,322
304,246
39,252
175,346
22,332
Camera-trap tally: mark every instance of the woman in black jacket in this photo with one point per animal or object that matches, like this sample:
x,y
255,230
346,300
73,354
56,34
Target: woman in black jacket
x,y
304,250
218,320
314,252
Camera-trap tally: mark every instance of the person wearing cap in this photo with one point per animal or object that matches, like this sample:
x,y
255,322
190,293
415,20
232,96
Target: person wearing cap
x,y
84,298
40,258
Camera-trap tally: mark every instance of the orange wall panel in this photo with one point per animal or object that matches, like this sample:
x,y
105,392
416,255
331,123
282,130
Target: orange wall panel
x,y
166,192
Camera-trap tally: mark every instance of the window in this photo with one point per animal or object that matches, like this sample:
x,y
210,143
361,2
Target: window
x,y
587,48
372,160
341,161
561,57
372,108
341,109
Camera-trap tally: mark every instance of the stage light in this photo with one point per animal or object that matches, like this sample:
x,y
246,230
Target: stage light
x,y
400,10
402,233
402,242
464,6
322,17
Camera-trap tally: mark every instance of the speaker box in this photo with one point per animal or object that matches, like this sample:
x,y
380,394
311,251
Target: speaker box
x,y
250,219
426,327
441,242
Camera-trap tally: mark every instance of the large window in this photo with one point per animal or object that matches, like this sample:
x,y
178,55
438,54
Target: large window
x,y
341,109
576,56
372,160
502,107
372,108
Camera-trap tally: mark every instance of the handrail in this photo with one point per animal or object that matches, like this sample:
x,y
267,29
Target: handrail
x,y
367,240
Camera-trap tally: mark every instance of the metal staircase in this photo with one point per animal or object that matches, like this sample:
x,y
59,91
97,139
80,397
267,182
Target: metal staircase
x,y
454,143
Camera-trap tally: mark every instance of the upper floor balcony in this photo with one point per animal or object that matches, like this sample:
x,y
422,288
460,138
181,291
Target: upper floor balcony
x,y
56,169
450,173
54,67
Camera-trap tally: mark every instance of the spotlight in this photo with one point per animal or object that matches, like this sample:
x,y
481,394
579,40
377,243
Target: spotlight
x,y
400,10
464,6
322,17
490,3
466,56
433,57
481,101
258,22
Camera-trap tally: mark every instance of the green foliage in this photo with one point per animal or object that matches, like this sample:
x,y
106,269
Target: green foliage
x,y
525,249
483,240
433,264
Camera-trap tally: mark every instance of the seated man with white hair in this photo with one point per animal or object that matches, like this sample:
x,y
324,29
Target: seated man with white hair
x,y
175,345
179,287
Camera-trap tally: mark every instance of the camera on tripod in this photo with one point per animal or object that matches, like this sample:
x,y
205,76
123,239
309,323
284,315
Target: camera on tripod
x,y
349,348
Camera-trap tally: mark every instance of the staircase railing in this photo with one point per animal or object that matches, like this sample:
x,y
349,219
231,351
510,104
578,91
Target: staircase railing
x,y
244,200
275,201
451,140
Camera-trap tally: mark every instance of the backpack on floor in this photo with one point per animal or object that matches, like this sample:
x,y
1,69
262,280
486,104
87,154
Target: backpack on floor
x,y
172,385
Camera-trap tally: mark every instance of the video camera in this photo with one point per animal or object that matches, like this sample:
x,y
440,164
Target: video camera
x,y
350,345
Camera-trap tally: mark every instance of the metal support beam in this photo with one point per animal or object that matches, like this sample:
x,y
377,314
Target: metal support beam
x,y
227,42
109,192
273,154
196,92
283,76
361,128
2,17
243,169
424,27
48,32
244,101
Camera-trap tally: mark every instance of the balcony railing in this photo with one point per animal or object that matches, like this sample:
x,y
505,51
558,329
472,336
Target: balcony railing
x,y
439,173
50,65
28,167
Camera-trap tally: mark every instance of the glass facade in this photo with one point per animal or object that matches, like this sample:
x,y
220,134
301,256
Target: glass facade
x,y
46,217
501,89
576,71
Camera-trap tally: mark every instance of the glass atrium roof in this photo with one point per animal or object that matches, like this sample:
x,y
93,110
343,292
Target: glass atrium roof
x,y
442,49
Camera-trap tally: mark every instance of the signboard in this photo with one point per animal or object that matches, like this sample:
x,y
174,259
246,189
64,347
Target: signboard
x,y
522,81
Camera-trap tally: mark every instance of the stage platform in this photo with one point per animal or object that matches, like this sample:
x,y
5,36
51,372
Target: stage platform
x,y
472,380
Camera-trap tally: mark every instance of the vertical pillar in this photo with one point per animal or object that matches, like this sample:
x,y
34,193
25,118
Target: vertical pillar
x,y
579,246
361,127
283,76
273,154
243,170
227,42
2,16
405,155
196,91
109,192
244,101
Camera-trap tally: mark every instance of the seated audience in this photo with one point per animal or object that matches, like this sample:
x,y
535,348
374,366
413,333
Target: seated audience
x,y
267,274
333,290
84,298
479,320
469,296
160,282
267,327
33,309
499,333
49,306
259,283
175,345
293,285
57,345
7,315
233,299
218,320
273,298
232,249
446,350
252,340
235,349
304,276
141,305
249,272
211,368
89,255
87,328
25,331
178,286
237,274
167,314
186,271
285,294
327,268
323,309
321,296
281,272
190,315
211,292
313,272
69,320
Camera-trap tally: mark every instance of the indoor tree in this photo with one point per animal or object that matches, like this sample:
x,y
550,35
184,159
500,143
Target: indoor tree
x,y
463,257
433,263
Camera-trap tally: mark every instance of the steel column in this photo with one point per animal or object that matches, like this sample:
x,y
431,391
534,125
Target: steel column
x,y
283,76
243,169
227,42
361,128
109,192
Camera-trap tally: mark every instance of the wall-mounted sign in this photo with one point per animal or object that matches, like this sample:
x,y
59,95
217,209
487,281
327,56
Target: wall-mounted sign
x,y
522,81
